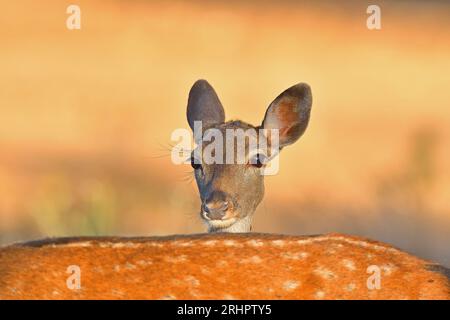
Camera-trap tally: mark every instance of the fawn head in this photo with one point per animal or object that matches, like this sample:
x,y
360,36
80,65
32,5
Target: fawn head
x,y
230,191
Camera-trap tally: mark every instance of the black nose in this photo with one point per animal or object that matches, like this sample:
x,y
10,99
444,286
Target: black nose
x,y
215,207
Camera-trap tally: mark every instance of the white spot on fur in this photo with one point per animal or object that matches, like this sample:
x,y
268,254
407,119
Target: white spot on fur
x,y
349,264
388,269
253,259
168,297
144,262
319,295
229,297
79,244
392,250
192,281
304,241
118,245
116,268
205,271
182,243
290,285
210,243
255,243
350,287
278,243
294,255
156,244
231,243
324,273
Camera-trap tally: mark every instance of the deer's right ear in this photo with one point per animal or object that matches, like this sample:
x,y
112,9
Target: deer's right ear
x,y
204,105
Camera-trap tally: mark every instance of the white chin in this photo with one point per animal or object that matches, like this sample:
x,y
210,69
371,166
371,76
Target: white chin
x,y
221,224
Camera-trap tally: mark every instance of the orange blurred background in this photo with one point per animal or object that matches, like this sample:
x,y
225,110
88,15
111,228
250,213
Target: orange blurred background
x,y
86,115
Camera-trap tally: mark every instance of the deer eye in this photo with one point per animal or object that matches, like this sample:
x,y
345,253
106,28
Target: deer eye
x,y
195,164
258,160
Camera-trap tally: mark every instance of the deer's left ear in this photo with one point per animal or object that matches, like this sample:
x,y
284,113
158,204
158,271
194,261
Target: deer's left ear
x,y
289,113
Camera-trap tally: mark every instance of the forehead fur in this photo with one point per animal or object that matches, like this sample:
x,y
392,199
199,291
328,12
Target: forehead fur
x,y
233,124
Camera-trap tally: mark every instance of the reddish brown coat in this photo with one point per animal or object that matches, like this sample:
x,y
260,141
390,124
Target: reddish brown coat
x,y
216,266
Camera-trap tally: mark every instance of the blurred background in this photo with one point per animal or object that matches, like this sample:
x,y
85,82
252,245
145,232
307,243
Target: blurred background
x,y
86,115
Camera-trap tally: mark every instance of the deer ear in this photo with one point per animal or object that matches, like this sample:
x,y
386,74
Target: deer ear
x,y
204,105
289,113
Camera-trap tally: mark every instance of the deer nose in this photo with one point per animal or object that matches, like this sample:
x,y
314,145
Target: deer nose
x,y
215,210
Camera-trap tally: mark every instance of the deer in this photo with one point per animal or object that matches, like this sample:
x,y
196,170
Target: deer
x,y
228,262
231,192
217,266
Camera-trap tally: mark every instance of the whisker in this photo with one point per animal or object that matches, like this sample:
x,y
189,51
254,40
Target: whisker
x,y
166,150
187,179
